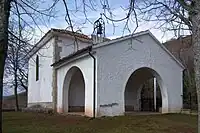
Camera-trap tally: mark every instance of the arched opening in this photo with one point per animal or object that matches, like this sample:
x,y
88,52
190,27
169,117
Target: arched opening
x,y
144,91
150,99
74,91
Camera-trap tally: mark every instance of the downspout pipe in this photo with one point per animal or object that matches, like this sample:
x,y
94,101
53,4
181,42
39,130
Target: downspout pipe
x,y
94,81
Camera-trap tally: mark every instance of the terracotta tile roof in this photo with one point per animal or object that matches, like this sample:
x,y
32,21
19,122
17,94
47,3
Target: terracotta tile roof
x,y
72,33
35,48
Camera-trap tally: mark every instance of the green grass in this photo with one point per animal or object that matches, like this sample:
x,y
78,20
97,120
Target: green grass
x,y
43,123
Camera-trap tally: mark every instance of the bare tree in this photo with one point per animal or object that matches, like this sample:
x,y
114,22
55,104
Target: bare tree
x,y
4,17
16,67
25,12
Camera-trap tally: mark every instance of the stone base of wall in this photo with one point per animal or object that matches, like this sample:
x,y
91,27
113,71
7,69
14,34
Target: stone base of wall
x,y
76,109
38,110
40,107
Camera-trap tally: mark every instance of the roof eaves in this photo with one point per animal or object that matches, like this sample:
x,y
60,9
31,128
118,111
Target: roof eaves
x,y
37,46
80,36
53,32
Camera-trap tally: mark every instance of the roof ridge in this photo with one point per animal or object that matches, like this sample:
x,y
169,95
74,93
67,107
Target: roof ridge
x,y
132,34
72,33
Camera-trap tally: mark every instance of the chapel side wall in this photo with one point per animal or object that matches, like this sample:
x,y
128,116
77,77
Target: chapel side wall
x,y
40,92
116,62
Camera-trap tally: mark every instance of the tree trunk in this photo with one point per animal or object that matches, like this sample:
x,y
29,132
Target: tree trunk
x,y
15,91
4,19
195,18
16,99
17,47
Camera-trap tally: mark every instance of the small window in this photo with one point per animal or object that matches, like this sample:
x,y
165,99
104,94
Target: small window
x,y
37,68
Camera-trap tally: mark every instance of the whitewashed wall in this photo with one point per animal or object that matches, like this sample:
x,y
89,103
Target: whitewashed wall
x,y
41,91
118,61
86,66
68,47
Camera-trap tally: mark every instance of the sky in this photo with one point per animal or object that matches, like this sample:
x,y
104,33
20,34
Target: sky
x,y
78,19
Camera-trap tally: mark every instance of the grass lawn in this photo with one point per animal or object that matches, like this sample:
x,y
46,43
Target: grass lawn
x,y
18,122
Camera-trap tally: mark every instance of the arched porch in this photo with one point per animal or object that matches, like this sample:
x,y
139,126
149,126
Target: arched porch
x,y
74,91
142,93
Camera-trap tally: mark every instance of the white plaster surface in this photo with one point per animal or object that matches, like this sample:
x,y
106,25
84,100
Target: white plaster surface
x,y
41,90
64,74
116,62
69,46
